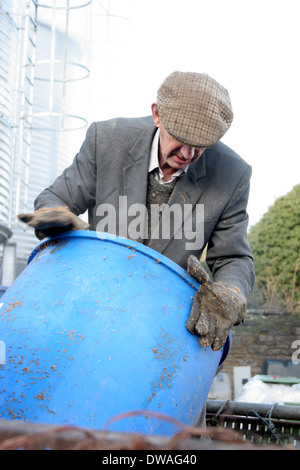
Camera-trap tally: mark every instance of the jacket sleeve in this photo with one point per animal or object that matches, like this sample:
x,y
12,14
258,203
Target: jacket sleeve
x,y
229,255
75,187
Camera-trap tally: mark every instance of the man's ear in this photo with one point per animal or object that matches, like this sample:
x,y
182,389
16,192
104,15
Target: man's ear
x,y
155,115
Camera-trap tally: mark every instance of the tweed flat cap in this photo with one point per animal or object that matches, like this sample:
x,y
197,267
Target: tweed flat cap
x,y
194,108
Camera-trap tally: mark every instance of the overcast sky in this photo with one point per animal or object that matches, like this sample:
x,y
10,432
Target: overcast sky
x,y
250,46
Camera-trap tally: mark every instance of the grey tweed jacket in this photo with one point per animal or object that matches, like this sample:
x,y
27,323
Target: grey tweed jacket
x,y
113,162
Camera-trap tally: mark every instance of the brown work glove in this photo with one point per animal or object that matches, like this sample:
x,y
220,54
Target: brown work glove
x,y
217,306
48,222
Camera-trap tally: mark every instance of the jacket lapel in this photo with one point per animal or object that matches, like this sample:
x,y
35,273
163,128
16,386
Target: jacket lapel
x,y
135,178
135,174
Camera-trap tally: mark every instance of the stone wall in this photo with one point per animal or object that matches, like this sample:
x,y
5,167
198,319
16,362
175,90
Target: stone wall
x,y
263,335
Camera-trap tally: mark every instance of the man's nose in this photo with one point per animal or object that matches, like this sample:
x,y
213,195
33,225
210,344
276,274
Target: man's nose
x,y
187,151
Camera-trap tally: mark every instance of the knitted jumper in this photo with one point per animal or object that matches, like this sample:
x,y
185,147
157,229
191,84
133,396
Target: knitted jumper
x,y
157,193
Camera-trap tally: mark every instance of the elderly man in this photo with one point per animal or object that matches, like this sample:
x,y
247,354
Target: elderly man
x,y
172,158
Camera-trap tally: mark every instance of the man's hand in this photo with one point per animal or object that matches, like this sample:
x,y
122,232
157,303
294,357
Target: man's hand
x,y
217,306
48,222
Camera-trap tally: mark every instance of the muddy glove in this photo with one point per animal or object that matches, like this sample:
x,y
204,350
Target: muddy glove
x,y
217,306
48,222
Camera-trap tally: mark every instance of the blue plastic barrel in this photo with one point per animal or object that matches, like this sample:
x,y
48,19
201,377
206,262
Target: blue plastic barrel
x,y
94,327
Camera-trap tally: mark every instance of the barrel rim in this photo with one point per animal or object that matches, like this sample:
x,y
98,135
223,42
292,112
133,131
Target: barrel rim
x,y
126,242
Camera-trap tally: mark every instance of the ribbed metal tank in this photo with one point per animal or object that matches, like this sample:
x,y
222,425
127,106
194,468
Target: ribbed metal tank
x,y
8,67
50,150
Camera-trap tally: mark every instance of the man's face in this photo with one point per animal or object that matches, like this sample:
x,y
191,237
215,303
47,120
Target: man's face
x,y
174,154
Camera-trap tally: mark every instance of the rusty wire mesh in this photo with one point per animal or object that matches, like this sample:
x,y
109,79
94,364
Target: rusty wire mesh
x,y
74,438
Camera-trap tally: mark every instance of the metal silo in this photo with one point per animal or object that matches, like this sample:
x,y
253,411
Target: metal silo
x,y
39,63
8,67
9,61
